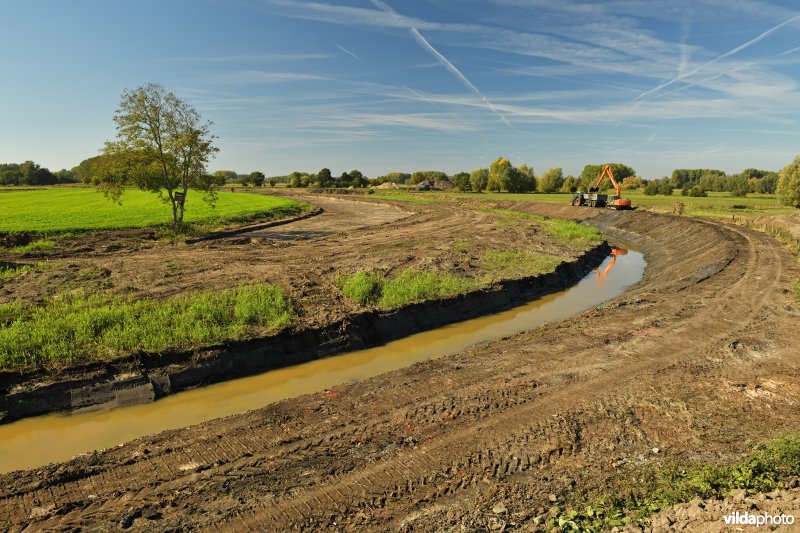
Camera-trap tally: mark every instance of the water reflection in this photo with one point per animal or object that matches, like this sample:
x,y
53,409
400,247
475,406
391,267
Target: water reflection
x,y
615,252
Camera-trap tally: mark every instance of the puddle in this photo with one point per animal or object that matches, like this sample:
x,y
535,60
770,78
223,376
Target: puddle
x,y
33,442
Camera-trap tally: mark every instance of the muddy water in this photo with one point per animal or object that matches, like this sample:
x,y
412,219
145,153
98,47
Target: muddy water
x,y
37,441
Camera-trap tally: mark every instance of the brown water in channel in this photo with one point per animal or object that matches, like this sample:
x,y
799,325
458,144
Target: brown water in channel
x,y
34,442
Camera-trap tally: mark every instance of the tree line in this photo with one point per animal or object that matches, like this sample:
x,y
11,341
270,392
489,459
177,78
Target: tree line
x,y
700,181
30,173
325,180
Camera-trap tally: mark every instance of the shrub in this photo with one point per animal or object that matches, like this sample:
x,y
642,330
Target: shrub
x,y
665,189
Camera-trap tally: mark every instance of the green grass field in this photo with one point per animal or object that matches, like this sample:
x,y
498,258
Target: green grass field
x,y
61,210
716,205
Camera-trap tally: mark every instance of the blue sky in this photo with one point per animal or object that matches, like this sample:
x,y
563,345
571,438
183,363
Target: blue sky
x,y
400,86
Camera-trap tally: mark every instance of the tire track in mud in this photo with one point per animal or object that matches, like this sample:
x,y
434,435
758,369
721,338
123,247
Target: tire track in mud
x,y
493,427
502,456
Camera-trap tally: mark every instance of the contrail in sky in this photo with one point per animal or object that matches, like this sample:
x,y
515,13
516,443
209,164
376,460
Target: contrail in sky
x,y
726,55
423,42
346,51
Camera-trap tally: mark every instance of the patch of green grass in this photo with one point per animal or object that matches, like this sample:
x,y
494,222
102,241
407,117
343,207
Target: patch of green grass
x,y
35,246
463,246
426,197
90,273
509,263
766,468
569,230
9,312
363,287
411,285
62,210
797,290
415,286
564,230
11,271
82,327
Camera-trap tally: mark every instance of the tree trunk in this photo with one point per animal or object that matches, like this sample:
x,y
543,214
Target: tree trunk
x,y
182,204
174,207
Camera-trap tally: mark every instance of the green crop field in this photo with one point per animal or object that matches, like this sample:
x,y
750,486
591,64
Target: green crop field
x,y
58,210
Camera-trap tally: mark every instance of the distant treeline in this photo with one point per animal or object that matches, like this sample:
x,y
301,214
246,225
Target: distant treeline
x,y
698,181
501,175
30,173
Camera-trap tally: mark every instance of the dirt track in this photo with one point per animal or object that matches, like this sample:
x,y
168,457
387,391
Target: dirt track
x,y
697,358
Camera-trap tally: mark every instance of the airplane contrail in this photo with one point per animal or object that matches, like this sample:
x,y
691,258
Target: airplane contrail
x,y
346,51
445,62
726,55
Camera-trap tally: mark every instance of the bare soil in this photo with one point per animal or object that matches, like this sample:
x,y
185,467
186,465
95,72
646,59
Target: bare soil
x,y
693,361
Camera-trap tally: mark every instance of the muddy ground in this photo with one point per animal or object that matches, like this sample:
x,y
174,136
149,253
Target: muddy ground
x,y
689,364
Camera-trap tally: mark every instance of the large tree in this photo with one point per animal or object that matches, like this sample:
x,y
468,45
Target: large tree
x,y
257,178
478,179
162,146
552,180
505,176
789,183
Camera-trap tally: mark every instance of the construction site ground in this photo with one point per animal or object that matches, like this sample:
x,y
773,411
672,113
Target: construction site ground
x,y
688,365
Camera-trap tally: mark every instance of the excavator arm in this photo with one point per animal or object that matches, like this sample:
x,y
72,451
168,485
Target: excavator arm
x,y
607,172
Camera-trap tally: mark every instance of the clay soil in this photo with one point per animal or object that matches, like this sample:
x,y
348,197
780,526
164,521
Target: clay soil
x,y
687,365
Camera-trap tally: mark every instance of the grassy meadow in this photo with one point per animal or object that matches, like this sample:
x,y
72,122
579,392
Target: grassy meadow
x,y
63,210
715,205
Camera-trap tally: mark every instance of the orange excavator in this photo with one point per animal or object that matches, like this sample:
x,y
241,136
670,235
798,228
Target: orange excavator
x,y
594,199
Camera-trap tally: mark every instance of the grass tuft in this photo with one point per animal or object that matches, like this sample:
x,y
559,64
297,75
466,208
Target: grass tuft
x,y
766,468
10,270
81,327
363,287
35,246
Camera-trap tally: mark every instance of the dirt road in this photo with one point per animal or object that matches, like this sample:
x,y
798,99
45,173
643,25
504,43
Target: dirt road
x,y
338,216
697,358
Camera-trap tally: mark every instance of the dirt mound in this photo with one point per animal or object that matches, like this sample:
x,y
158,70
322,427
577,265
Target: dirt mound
x,y
387,185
